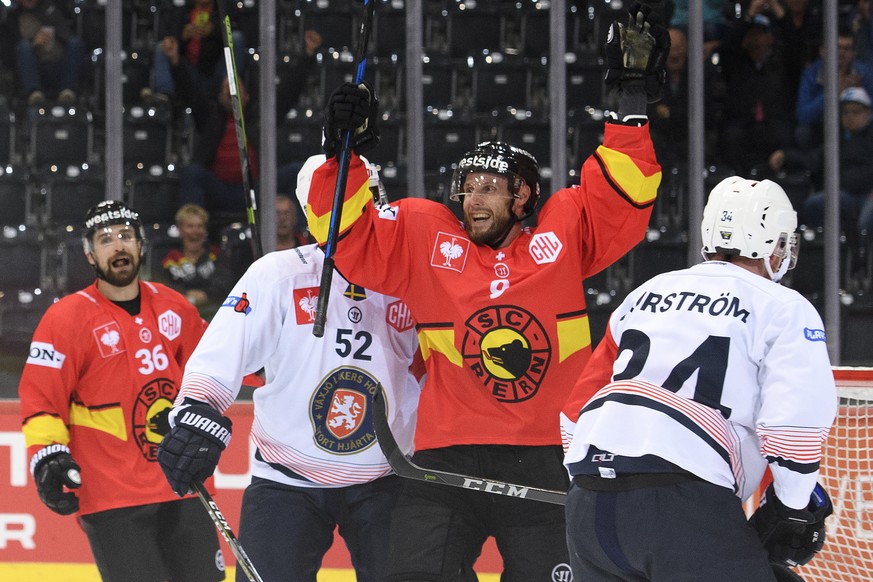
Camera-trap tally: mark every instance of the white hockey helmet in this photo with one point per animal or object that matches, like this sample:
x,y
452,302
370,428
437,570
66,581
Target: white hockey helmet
x,y
304,177
752,219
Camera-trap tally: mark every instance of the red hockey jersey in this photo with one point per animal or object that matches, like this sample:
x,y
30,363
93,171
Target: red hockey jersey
x,y
100,380
504,333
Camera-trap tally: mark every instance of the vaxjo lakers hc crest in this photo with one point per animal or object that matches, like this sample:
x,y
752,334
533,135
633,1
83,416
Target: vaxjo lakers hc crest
x,y
340,411
509,351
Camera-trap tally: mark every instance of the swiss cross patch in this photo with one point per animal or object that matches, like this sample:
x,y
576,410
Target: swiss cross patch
x,y
545,247
450,252
170,324
305,302
347,412
108,339
397,316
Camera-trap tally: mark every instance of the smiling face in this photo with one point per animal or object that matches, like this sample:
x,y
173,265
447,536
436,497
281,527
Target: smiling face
x,y
192,231
491,209
116,254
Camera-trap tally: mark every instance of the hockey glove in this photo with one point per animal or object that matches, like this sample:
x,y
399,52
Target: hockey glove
x,y
53,469
190,451
354,108
792,536
636,54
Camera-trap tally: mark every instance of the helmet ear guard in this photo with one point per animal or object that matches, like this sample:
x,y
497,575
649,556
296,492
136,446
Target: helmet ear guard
x,y
495,157
752,219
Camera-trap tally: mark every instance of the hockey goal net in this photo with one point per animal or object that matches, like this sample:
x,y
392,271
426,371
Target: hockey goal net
x,y
847,475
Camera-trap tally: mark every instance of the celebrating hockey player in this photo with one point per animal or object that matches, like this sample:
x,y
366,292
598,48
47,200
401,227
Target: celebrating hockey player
x,y
705,377
501,316
315,462
104,368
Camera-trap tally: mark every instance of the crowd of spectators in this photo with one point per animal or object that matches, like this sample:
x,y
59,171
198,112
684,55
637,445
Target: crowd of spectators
x,y
763,94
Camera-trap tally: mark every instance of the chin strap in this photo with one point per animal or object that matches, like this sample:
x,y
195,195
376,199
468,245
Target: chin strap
x,y
783,268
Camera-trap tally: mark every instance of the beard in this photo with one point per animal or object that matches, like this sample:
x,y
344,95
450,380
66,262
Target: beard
x,y
492,234
122,274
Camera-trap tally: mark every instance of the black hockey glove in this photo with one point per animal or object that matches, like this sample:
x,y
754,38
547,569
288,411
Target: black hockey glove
x,y
53,469
792,536
636,54
191,449
355,108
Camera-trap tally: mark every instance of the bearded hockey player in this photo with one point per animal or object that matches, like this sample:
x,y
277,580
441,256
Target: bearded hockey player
x,y
104,368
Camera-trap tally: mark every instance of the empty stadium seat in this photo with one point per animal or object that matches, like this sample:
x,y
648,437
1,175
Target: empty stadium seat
x,y
154,193
69,192
60,136
147,135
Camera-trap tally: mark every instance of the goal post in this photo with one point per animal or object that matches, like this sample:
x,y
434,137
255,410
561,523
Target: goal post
x,y
847,475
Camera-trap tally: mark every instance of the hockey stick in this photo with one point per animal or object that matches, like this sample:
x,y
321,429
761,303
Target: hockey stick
x,y
240,126
404,467
242,560
341,178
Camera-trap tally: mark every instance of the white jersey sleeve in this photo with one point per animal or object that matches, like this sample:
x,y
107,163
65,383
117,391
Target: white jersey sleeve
x,y
313,418
720,372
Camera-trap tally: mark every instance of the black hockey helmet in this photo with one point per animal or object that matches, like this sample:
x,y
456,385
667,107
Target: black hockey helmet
x,y
496,157
108,213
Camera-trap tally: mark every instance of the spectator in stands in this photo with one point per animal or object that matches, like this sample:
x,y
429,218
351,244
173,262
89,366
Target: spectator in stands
x,y
668,118
195,270
799,31
852,72
213,178
192,40
856,164
287,219
862,27
714,24
48,56
756,120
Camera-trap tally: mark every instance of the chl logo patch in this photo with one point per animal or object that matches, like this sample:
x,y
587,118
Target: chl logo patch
x,y
170,324
340,411
450,252
545,247
509,351
397,315
150,415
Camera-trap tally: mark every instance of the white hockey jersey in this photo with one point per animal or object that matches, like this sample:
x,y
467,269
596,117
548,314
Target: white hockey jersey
x,y
313,422
717,370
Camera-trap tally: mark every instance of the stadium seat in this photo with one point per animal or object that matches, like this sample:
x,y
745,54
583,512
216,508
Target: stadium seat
x,y
60,136
389,31
23,259
439,84
500,85
154,193
472,32
298,138
7,135
447,141
69,192
531,135
15,196
147,135
333,20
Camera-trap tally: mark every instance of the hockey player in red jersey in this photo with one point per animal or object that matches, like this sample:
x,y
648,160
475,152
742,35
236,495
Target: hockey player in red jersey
x,y
104,367
501,318
705,377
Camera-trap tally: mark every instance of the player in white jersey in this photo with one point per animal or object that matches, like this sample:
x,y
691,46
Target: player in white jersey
x,y
705,377
315,460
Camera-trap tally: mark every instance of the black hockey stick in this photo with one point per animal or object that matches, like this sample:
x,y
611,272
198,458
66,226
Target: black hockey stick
x,y
242,560
341,178
240,126
404,467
